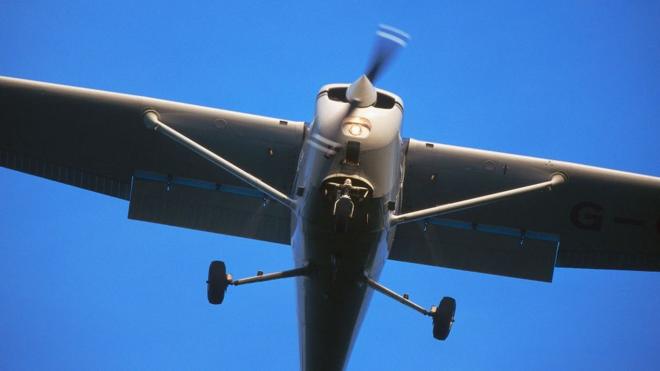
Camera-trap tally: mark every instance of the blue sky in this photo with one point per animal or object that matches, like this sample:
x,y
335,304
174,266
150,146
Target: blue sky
x,y
82,287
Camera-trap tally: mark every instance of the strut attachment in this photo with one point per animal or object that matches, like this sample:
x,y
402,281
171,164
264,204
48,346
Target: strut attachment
x,y
152,121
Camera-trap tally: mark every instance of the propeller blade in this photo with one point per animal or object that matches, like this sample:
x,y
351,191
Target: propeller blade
x,y
389,41
362,92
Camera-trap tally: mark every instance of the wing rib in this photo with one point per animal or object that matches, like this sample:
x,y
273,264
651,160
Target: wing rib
x,y
556,179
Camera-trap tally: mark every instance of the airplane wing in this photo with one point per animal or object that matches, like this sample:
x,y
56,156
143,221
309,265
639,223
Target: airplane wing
x,y
98,141
598,218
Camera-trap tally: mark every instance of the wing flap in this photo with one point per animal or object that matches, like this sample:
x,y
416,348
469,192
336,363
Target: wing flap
x,y
486,249
211,207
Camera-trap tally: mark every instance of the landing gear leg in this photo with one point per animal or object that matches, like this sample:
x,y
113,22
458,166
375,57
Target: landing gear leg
x,y
443,315
343,211
345,196
219,280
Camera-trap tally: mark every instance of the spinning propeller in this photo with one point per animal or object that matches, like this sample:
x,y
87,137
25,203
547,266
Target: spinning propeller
x,y
362,92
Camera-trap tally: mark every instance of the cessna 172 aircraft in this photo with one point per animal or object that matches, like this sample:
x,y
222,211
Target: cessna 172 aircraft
x,y
346,192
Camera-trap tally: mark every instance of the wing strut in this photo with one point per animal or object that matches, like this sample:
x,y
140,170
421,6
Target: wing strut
x,y
556,179
153,122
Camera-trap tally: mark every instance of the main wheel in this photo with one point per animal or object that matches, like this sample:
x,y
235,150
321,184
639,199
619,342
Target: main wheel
x,y
443,318
217,283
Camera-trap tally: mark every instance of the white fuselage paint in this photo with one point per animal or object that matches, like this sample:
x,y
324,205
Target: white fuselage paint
x,y
333,299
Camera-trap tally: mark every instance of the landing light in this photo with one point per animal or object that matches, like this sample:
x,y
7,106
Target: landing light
x,y
357,127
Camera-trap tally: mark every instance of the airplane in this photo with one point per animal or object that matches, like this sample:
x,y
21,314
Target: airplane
x,y
345,191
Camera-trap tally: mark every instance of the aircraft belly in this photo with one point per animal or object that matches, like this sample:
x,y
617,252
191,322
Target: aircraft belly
x,y
333,299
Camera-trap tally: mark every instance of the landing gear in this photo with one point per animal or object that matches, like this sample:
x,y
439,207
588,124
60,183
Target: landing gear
x,y
443,315
343,211
217,282
344,195
443,318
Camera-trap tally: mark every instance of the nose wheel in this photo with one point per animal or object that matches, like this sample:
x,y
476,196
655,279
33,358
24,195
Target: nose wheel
x,y
343,211
443,318
344,195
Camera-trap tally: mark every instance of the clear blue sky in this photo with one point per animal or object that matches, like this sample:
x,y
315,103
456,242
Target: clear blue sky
x,y
82,287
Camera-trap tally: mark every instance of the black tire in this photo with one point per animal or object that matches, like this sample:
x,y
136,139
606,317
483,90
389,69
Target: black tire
x,y
443,319
217,283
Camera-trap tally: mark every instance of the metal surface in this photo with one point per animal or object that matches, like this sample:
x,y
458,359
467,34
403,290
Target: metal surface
x,y
472,202
361,92
457,244
151,118
96,140
271,276
401,299
206,206
601,218
332,301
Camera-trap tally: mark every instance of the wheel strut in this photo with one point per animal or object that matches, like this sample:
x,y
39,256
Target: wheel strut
x,y
261,277
442,315
219,280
